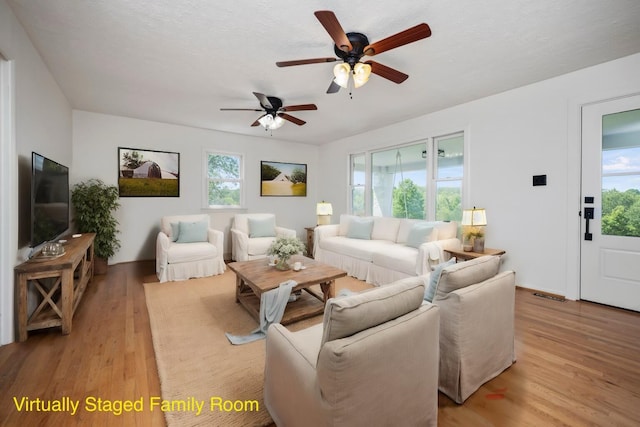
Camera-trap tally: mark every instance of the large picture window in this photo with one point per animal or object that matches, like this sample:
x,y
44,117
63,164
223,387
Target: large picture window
x,y
224,180
399,182
421,180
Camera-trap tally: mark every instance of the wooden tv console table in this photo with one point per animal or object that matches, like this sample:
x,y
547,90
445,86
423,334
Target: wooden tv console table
x,y
60,282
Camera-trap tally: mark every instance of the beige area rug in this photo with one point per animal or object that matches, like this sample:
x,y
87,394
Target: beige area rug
x,y
196,362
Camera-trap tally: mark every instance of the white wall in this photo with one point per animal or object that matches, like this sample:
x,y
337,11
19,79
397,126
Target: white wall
x,y
41,121
512,136
95,155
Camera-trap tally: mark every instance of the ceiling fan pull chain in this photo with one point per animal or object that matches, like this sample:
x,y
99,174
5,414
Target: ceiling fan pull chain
x,y
350,84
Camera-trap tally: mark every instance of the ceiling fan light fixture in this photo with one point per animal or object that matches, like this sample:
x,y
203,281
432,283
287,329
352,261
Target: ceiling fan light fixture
x,y
277,122
271,122
361,73
341,73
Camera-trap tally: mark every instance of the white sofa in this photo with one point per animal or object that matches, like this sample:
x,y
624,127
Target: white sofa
x,y
253,233
394,249
198,254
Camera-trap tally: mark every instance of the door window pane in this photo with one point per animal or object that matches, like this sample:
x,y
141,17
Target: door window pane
x,y
621,174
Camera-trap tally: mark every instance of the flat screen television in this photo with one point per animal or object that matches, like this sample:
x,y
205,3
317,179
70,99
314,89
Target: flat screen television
x,y
49,199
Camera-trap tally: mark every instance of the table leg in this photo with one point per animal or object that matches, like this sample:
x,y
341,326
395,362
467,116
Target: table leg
x,y
67,300
238,287
22,307
328,289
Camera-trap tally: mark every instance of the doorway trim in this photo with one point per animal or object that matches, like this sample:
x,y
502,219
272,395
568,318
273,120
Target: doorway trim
x,y
8,197
574,186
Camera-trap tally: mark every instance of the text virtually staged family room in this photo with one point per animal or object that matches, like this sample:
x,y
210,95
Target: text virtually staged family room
x,y
364,213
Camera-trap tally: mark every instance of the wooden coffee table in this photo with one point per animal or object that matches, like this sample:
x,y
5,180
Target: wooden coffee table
x,y
256,276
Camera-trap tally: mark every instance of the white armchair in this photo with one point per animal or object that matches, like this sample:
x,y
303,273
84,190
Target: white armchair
x,y
372,362
187,247
252,234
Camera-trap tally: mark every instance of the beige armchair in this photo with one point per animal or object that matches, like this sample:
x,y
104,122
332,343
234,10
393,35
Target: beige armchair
x,y
252,234
373,361
476,324
187,247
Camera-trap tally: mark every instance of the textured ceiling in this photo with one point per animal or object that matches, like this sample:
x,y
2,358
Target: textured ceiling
x,y
180,61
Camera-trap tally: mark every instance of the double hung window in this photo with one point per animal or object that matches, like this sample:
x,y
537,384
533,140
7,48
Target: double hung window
x,y
224,186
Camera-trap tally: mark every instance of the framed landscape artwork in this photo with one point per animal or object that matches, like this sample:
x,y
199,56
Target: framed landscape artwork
x,y
148,173
283,179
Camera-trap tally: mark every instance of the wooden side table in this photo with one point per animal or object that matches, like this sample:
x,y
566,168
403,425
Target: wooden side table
x,y
59,282
310,231
467,255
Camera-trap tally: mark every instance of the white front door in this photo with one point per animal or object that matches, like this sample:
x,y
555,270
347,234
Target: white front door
x,y
610,231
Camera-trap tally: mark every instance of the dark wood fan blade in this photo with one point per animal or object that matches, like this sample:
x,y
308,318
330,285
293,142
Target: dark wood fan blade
x,y
333,87
256,123
240,109
330,23
304,61
292,119
420,31
264,101
301,107
387,72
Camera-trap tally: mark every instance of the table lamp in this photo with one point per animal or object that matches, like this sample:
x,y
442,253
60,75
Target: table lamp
x,y
324,211
473,222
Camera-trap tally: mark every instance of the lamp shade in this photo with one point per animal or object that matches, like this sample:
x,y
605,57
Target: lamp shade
x,y
341,72
361,73
474,217
324,208
324,211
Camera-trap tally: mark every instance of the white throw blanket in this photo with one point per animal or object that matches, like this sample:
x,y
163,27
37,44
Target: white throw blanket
x,y
272,305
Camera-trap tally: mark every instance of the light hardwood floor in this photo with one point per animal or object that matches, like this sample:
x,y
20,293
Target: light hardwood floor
x,y
578,364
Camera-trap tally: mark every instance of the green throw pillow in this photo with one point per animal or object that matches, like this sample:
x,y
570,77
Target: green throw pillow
x,y
434,277
418,234
192,232
262,227
360,228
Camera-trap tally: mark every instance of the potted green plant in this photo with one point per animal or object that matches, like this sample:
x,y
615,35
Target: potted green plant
x,y
283,248
474,237
95,203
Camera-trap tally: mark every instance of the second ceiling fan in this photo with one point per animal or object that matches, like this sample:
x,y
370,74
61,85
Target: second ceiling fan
x,y
274,112
351,47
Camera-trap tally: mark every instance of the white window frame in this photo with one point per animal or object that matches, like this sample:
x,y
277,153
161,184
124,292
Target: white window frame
x,y
432,185
367,180
8,197
205,180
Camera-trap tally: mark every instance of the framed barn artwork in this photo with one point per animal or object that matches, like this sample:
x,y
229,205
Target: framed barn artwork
x,y
148,173
283,179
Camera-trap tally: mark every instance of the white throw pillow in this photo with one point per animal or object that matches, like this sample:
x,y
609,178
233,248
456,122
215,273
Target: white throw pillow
x,y
262,227
420,232
360,228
